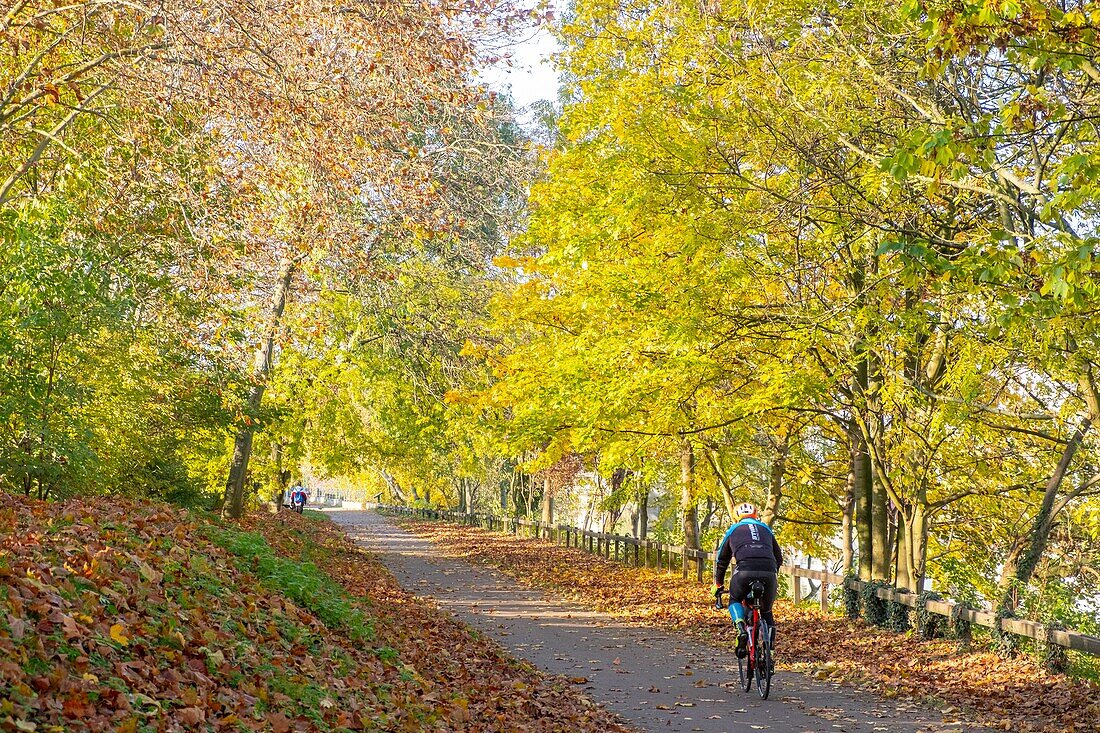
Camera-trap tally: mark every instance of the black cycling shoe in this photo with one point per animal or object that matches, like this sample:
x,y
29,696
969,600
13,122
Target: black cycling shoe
x,y
742,649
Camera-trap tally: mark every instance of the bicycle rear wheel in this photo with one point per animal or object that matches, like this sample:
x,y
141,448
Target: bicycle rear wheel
x,y
744,667
762,670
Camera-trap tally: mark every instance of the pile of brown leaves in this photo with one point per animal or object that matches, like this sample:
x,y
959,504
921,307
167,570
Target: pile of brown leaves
x,y
1011,694
127,616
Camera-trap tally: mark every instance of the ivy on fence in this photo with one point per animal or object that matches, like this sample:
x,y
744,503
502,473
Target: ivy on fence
x,y
897,614
1007,643
874,608
1055,659
852,603
929,624
961,627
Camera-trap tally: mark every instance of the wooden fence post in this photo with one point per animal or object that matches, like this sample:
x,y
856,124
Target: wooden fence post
x,y
796,588
824,595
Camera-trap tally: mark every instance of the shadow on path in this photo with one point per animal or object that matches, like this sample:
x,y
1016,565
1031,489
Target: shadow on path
x,y
653,679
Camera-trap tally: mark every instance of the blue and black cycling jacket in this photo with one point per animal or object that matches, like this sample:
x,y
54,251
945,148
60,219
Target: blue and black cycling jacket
x,y
752,544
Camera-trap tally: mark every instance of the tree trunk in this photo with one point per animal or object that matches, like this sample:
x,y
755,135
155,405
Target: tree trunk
x,y
893,543
704,525
846,523
395,488
471,494
261,370
547,503
282,476
687,495
880,532
917,539
1012,560
902,552
881,548
860,473
462,496
505,490
723,482
517,496
1016,577
643,513
529,497
775,481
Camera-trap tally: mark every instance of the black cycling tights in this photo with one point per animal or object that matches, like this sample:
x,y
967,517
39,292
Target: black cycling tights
x,y
740,582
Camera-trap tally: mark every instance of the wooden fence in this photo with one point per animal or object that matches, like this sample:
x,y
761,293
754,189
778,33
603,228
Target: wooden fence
x,y
663,557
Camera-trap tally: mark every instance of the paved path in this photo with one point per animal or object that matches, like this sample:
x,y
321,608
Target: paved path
x,y
655,680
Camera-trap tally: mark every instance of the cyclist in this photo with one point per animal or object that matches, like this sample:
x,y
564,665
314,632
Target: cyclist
x,y
752,544
298,498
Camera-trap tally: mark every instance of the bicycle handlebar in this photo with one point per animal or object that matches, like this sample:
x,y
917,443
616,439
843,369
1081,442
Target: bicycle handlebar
x,y
752,601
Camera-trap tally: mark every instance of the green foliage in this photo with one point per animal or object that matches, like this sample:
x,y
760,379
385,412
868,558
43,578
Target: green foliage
x,y
876,611
853,600
1007,643
1054,657
98,395
961,628
929,625
897,617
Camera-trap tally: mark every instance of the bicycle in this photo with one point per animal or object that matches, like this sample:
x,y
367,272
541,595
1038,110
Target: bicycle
x,y
758,663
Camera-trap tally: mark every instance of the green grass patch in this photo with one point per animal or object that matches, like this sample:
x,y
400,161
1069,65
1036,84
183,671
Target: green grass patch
x,y
302,582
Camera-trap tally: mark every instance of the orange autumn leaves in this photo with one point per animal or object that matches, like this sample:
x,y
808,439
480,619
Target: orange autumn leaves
x,y
159,627
120,616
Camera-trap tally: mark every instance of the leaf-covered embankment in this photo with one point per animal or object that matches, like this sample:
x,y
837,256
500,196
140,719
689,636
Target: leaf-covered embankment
x,y
132,616
978,686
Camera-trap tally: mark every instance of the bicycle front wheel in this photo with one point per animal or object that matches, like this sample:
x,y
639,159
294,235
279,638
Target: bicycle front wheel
x,y
762,670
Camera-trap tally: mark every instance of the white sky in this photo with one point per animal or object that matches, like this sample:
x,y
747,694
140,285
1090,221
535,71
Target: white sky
x,y
531,75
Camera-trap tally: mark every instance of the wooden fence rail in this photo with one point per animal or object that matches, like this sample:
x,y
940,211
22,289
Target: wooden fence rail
x,y
663,557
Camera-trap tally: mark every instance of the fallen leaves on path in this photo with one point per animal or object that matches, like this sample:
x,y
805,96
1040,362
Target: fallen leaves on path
x,y
475,684
978,687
